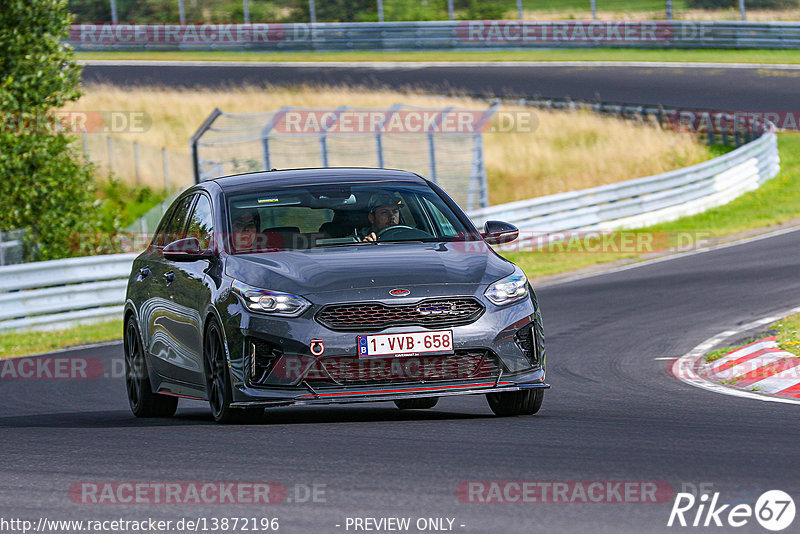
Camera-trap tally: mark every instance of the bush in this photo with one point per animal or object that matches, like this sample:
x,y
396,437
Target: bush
x,y
749,4
44,185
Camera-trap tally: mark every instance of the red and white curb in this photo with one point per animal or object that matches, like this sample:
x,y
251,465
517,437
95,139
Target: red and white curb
x,y
760,370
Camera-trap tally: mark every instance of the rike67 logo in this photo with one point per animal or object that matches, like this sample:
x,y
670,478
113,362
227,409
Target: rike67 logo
x,y
774,510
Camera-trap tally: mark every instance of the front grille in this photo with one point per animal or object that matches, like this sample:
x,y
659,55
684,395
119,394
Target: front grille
x,y
261,357
370,316
462,365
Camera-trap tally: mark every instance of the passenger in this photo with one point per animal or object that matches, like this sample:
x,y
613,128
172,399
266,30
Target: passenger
x,y
246,229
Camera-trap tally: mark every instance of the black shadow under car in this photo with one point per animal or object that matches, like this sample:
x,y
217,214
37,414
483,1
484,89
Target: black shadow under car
x,y
323,286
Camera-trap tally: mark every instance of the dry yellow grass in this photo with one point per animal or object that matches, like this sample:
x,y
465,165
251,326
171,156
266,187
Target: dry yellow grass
x,y
755,15
567,151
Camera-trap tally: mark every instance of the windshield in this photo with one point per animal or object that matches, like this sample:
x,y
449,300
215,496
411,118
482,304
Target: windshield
x,y
329,215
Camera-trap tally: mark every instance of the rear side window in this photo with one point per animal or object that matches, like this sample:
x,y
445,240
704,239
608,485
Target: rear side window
x,y
176,227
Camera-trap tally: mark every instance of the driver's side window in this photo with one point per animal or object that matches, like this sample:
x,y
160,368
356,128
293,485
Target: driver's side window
x,y
176,227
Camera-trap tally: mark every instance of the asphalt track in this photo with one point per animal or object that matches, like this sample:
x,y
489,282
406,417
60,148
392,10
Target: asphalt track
x,y
614,414
702,87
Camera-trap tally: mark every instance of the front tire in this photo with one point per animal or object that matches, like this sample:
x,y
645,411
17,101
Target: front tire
x,y
142,400
512,403
218,382
416,404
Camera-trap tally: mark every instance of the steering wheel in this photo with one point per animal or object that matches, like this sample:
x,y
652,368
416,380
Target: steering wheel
x,y
395,227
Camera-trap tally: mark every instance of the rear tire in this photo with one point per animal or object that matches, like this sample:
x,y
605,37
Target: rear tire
x,y
512,403
142,400
218,383
416,404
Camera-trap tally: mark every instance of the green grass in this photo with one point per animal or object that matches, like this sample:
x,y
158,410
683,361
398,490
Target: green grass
x,y
720,352
787,330
27,343
788,334
774,203
598,54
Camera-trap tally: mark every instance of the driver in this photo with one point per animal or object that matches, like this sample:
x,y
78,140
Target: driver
x,y
384,211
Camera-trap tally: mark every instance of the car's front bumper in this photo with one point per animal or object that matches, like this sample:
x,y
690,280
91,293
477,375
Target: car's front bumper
x,y
510,368
372,393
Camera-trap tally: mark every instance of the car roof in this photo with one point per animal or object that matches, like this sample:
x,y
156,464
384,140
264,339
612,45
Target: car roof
x,y
328,175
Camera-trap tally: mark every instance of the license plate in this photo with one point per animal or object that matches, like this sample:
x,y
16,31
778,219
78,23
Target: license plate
x,y
407,344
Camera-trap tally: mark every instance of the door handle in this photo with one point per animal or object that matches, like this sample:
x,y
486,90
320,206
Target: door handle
x,y
170,276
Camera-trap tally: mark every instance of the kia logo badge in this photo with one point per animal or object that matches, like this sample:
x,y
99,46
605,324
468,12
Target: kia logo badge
x,y
399,292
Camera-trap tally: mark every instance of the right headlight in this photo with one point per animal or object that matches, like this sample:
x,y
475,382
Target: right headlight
x,y
510,289
271,302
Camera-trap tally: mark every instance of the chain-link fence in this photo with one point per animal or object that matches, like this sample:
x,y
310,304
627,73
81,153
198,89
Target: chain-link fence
x,y
138,163
12,249
247,11
443,144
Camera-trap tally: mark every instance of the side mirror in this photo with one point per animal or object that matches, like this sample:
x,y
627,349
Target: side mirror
x,y
186,250
498,232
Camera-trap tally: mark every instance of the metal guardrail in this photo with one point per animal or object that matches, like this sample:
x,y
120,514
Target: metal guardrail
x,y
48,295
645,201
60,293
476,34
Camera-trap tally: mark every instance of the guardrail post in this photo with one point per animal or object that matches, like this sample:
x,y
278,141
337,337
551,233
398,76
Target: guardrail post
x,y
181,12
594,9
669,9
742,10
246,9
450,12
519,9
2,250
136,162
166,169
380,10
312,11
114,17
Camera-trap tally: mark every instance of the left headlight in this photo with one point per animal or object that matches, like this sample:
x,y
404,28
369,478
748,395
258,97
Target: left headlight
x,y
509,289
271,302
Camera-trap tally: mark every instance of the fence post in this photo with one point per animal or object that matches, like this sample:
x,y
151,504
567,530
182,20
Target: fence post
x,y
450,12
323,138
136,162
110,141
246,8
380,10
85,147
669,9
594,9
432,144
312,10
181,12
379,137
166,169
519,9
742,10
114,17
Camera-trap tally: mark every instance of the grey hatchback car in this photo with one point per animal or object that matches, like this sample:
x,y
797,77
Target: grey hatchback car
x,y
328,286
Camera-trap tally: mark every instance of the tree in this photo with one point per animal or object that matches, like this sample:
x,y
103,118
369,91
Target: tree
x,y
44,185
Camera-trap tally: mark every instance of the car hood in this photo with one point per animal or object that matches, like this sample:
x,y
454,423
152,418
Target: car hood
x,y
432,268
